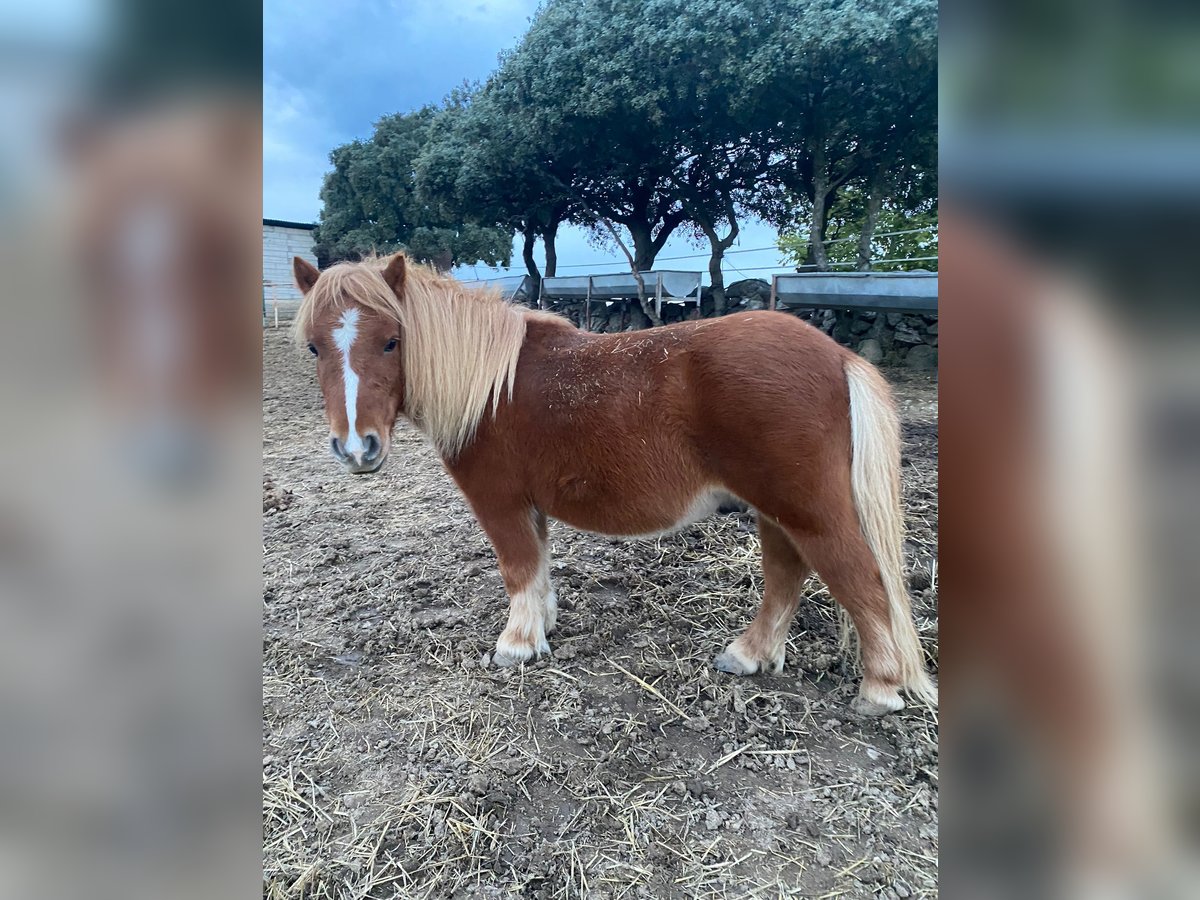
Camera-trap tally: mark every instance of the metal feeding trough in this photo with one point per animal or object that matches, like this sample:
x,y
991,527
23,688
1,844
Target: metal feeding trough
x,y
509,286
660,284
572,287
882,291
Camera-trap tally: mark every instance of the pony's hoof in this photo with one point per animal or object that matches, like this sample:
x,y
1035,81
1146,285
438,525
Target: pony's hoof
x,y
733,663
880,704
508,654
502,659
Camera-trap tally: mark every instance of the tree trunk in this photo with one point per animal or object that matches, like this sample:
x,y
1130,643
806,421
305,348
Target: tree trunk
x,y
719,246
816,230
443,261
874,205
643,301
718,279
531,263
643,247
548,240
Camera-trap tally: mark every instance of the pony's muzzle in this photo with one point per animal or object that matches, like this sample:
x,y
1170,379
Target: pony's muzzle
x,y
360,462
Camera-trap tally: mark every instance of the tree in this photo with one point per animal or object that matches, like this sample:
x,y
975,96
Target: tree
x,y
623,104
709,185
718,156
595,129
898,142
714,182
904,228
371,202
478,165
634,118
659,113
846,91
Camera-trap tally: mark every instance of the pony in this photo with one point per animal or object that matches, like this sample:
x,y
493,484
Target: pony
x,y
631,434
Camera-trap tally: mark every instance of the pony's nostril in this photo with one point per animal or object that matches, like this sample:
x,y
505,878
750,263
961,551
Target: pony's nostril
x,y
373,448
335,447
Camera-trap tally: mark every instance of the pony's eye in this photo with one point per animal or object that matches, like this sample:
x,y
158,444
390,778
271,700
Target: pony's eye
x,y
312,348
391,345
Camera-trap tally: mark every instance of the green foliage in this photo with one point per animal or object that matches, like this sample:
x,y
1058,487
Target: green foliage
x,y
478,165
371,201
845,228
623,105
659,114
653,112
847,92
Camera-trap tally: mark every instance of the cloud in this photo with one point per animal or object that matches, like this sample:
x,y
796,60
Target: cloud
x,y
295,151
287,121
488,13
329,74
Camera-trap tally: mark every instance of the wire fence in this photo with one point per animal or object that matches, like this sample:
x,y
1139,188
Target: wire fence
x,y
931,229
842,240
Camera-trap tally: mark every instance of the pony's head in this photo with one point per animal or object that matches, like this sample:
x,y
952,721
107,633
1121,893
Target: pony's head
x,y
395,339
350,321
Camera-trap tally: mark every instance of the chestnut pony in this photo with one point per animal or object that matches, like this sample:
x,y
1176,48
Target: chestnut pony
x,y
631,434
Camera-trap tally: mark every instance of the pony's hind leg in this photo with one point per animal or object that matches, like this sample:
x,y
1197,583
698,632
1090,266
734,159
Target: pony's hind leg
x,y
761,646
519,541
845,563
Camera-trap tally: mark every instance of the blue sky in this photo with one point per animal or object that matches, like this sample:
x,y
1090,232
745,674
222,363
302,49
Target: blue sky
x,y
330,70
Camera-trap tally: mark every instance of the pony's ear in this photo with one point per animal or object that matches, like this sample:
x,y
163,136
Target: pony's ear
x,y
306,274
393,273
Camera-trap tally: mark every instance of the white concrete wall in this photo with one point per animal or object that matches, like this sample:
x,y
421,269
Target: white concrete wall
x,y
279,246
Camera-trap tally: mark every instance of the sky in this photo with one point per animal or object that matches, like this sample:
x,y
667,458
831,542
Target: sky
x,y
330,70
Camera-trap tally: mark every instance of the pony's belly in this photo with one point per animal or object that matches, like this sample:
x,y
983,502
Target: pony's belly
x,y
641,515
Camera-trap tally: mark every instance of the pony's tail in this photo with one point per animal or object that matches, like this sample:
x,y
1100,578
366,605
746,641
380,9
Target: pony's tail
x,y
875,483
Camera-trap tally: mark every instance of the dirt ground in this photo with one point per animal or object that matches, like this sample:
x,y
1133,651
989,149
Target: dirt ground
x,y
396,765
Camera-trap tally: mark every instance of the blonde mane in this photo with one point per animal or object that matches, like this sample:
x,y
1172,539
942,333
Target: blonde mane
x,y
460,345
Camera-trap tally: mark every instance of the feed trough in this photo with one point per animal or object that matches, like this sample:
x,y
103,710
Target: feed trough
x,y
883,291
510,286
660,284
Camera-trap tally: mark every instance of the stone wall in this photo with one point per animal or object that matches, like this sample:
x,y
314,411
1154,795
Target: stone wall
x,y
888,339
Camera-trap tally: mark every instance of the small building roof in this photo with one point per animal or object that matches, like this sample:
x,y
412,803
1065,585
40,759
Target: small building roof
x,y
283,223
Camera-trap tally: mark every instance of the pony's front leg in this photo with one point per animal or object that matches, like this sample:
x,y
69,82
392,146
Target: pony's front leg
x,y
550,601
521,548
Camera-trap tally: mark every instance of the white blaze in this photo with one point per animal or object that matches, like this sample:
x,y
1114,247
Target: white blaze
x,y
343,337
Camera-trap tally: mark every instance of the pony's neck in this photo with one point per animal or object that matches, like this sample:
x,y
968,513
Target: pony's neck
x,y
460,349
